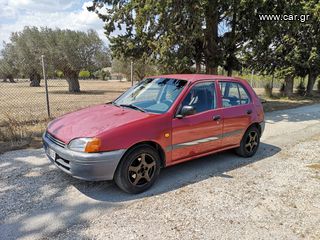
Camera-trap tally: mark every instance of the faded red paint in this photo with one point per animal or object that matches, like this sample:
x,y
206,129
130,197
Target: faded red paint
x,y
121,128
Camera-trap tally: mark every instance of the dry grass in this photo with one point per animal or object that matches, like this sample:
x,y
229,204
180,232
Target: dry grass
x,y
279,103
17,134
23,113
23,102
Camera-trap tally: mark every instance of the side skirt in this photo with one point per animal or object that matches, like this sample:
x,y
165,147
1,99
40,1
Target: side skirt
x,y
200,155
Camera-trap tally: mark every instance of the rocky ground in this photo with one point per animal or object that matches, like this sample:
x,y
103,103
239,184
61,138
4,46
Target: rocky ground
x,y
274,195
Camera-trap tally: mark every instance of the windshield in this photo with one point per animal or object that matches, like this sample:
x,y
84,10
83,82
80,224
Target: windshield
x,y
152,95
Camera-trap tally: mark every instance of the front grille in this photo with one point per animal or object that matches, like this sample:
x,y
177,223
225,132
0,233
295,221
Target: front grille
x,y
55,140
62,163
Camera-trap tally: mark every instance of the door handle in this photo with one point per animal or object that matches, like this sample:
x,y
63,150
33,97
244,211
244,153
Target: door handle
x,y
216,117
249,111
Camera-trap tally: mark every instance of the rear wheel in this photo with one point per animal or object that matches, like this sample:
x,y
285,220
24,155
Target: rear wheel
x,y
249,143
138,169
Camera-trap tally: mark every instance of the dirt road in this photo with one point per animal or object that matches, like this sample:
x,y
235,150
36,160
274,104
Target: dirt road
x,y
274,195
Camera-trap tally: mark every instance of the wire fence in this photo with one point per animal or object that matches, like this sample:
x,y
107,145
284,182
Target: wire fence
x,y
21,102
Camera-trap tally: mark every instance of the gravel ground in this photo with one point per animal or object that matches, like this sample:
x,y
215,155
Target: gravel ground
x,y
274,195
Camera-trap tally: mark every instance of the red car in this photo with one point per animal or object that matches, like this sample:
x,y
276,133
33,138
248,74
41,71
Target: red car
x,y
161,121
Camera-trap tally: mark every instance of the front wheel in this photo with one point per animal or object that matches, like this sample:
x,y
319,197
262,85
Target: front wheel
x,y
138,169
249,143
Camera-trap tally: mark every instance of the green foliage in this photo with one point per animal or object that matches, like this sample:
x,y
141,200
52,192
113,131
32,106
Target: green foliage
x,y
84,74
178,34
59,74
102,74
105,74
7,63
140,69
66,50
288,48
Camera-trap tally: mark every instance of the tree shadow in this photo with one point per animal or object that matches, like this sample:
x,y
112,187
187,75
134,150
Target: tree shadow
x,y
180,175
293,115
38,200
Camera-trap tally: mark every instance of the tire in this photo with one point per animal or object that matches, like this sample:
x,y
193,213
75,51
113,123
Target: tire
x,y
138,169
250,142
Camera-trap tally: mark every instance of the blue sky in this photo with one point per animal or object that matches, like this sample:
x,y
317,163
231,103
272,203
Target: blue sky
x,y
65,14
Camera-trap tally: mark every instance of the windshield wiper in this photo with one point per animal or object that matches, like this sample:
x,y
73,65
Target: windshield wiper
x,y
114,103
133,106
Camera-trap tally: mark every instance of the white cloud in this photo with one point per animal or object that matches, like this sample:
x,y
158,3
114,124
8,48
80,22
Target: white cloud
x,y
53,14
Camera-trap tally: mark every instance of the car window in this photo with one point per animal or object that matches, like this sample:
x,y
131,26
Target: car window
x,y
202,97
154,95
244,97
233,94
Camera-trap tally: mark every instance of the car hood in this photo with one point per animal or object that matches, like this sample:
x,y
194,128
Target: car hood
x,y
90,122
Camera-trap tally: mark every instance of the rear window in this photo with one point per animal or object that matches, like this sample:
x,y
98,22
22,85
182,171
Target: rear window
x,y
233,94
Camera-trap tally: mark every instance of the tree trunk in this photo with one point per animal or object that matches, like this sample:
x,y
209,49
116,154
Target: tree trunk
x,y
198,54
35,79
198,67
211,48
5,79
211,70
73,81
229,71
311,81
11,79
288,85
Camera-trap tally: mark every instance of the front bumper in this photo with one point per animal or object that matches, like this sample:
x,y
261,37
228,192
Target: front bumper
x,y
85,166
262,126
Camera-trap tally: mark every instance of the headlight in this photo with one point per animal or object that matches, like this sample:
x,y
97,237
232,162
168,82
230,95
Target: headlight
x,y
88,145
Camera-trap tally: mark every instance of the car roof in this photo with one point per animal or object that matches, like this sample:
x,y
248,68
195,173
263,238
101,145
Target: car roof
x,y
197,77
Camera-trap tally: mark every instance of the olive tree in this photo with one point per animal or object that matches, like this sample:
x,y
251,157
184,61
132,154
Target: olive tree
x,y
64,50
28,46
74,51
7,64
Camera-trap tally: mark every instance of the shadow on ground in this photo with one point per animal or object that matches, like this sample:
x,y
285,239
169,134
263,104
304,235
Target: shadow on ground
x,y
37,199
178,176
292,115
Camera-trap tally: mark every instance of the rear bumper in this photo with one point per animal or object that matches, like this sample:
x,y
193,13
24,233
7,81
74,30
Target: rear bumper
x,y
85,166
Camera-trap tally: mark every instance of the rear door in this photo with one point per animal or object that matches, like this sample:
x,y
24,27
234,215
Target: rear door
x,y
201,132
237,110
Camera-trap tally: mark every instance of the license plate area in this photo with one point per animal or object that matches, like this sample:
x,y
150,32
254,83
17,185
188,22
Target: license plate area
x,y
51,153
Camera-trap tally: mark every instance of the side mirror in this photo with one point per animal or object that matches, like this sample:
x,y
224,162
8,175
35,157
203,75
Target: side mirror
x,y
263,100
186,111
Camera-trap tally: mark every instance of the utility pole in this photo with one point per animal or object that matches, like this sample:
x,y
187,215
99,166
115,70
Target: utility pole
x,y
46,86
131,73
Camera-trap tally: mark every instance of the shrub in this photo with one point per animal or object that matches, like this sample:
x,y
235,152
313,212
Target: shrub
x,y
59,74
14,130
268,90
84,74
301,89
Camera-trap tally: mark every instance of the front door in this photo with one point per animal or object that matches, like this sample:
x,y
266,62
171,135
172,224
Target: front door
x,y
201,132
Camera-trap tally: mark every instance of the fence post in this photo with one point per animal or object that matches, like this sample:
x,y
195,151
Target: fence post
x,y
131,73
252,73
46,86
